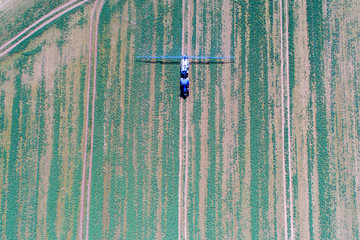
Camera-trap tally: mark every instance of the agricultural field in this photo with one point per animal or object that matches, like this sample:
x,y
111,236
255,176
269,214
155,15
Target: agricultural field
x,y
97,144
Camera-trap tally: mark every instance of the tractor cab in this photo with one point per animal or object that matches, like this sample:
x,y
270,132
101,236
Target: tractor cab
x,y
184,74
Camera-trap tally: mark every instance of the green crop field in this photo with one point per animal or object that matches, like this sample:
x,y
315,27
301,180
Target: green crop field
x,y
271,139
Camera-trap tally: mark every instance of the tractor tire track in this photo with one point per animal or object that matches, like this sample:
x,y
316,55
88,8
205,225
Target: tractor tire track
x,y
51,13
40,27
186,170
283,119
189,17
82,196
181,129
92,120
180,169
288,117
